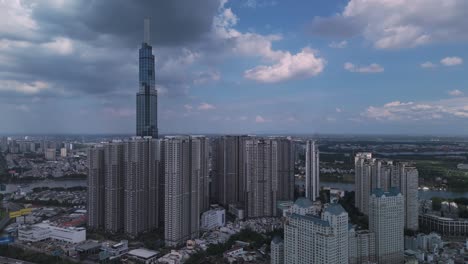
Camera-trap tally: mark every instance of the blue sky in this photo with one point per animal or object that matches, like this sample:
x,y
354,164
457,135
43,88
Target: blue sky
x,y
253,66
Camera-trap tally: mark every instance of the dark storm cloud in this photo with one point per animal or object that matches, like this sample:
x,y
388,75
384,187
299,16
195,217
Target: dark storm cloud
x,y
173,22
103,36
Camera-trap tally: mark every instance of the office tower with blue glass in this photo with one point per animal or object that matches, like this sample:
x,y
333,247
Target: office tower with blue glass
x,y
147,97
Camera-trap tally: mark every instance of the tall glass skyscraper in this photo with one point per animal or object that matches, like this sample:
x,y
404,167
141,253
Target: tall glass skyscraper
x,y
147,97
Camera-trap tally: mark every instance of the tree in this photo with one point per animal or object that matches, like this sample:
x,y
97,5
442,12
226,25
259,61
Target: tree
x,y
436,203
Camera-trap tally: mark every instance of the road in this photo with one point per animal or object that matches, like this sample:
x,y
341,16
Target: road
x,y
4,260
25,247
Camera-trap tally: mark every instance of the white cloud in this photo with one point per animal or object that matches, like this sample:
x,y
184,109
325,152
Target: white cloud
x,y
428,65
186,58
301,65
24,88
207,77
60,45
206,106
119,112
23,108
161,90
372,68
258,3
451,61
285,66
338,45
455,92
16,19
391,24
338,110
397,103
412,111
260,119
243,118
188,107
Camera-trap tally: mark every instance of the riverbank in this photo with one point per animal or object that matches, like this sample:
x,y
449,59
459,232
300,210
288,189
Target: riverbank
x,y
30,186
423,194
9,179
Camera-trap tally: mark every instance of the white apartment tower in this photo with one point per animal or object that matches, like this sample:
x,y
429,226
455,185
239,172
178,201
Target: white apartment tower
x,y
261,177
228,169
371,173
285,159
311,239
386,221
277,250
114,168
96,176
142,157
312,184
122,186
200,156
361,245
407,181
362,177
182,176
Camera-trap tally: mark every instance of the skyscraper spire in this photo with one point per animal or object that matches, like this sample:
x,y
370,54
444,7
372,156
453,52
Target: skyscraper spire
x,y
146,31
147,97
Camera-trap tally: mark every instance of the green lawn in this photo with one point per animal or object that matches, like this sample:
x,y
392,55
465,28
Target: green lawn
x,y
430,170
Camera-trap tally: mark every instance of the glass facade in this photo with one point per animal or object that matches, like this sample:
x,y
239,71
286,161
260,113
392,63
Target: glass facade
x,y
147,98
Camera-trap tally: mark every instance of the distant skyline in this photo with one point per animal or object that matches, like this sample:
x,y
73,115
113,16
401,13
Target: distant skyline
x,y
233,67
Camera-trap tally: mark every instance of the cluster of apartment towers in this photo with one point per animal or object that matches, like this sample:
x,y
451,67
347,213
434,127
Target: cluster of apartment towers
x,y
386,192
141,184
144,183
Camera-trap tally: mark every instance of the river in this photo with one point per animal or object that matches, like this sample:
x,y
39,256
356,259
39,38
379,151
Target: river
x,y
27,187
344,186
424,195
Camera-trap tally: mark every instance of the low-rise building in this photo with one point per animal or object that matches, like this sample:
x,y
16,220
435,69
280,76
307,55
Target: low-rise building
x,y
43,231
174,257
88,247
213,218
143,255
33,234
234,252
237,210
447,227
113,249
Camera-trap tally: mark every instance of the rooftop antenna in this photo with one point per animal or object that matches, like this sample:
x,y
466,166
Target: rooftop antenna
x,y
147,31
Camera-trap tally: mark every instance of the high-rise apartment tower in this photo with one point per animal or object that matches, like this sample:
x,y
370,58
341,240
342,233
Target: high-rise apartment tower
x,y
312,184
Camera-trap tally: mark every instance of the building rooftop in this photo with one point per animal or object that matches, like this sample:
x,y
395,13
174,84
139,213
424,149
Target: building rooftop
x,y
335,209
303,202
284,204
312,218
391,192
277,240
143,253
88,246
